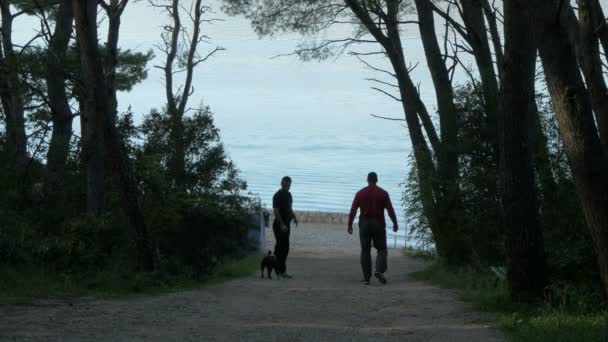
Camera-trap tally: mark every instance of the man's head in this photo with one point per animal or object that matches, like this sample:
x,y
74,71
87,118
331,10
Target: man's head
x,y
372,178
286,183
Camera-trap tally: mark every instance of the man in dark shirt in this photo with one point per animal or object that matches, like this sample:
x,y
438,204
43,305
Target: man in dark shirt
x,y
283,214
372,227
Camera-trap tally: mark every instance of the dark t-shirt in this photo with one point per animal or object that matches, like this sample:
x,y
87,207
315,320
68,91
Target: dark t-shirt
x,y
282,200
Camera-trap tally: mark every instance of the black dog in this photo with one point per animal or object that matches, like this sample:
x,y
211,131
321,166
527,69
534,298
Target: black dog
x,y
269,263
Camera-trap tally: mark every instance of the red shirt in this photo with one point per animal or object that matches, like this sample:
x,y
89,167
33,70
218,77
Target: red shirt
x,y
372,200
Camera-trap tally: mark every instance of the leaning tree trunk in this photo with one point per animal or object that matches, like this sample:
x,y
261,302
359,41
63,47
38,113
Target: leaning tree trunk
x,y
61,114
494,33
473,18
452,243
601,25
592,67
587,158
97,93
448,196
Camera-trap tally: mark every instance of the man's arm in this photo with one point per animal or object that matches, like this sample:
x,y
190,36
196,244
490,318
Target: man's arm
x,y
295,219
291,212
391,212
353,213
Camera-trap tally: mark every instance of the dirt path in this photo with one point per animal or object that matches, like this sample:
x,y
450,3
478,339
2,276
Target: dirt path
x,y
324,302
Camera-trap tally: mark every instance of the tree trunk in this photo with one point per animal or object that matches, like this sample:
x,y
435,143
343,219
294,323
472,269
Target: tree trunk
x,y
97,92
601,25
177,160
61,114
592,68
478,39
448,196
587,158
493,26
452,243
11,92
526,267
92,116
176,103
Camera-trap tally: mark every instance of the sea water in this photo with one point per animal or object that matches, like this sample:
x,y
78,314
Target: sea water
x,y
327,168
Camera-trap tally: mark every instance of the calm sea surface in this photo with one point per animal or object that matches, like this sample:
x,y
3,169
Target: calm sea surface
x,y
328,164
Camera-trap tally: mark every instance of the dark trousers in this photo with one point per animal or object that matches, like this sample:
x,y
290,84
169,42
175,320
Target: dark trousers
x,y
372,231
281,248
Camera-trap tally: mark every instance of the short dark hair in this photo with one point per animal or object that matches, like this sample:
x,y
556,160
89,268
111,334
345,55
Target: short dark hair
x,y
286,179
372,177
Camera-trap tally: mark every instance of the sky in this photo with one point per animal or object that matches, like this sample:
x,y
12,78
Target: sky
x,y
284,91
323,105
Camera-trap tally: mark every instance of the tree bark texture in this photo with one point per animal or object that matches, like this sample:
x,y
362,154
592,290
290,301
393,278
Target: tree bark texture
x,y
61,114
572,105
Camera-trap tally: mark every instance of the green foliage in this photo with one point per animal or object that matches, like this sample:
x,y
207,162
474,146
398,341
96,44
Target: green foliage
x,y
481,288
34,6
556,327
192,232
583,319
568,246
25,284
479,213
193,229
419,227
130,70
312,19
208,169
478,178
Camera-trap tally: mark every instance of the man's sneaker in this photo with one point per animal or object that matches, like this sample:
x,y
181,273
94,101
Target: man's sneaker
x,y
380,277
286,276
364,281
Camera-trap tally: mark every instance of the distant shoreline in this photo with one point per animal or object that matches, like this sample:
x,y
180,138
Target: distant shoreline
x,y
395,240
318,217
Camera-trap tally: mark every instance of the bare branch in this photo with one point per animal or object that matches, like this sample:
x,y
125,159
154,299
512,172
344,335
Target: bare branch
x,y
386,118
375,68
457,26
382,82
387,94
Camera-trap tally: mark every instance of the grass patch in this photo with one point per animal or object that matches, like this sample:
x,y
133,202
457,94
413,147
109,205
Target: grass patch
x,y
554,325
26,285
519,322
418,253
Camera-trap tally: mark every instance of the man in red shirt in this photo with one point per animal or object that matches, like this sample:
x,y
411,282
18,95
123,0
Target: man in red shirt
x,y
372,227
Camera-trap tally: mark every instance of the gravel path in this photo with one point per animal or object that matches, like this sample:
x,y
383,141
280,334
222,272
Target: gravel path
x,y
324,302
